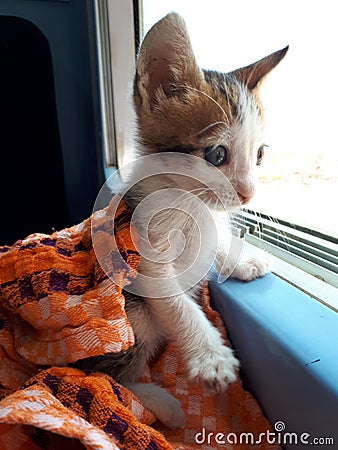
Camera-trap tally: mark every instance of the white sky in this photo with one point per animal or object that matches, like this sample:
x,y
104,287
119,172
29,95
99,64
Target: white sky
x,y
301,95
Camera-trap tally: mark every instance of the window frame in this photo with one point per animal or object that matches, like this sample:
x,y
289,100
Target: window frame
x,y
105,76
115,33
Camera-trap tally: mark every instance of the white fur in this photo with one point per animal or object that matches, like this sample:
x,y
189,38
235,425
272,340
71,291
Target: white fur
x,y
157,400
176,315
255,267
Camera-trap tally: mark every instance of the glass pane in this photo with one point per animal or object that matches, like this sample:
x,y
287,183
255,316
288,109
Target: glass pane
x,y
299,176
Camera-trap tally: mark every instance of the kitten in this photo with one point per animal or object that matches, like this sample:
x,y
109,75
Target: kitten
x,y
216,118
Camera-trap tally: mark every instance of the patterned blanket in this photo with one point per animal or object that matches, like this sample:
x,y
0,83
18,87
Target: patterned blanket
x,y
57,306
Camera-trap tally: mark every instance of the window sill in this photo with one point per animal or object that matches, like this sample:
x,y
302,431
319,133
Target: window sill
x,y
287,344
310,284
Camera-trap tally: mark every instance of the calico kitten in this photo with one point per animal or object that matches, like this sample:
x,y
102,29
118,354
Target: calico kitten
x,y
218,118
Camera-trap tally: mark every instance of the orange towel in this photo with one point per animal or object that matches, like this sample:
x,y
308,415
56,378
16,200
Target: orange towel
x,y
57,305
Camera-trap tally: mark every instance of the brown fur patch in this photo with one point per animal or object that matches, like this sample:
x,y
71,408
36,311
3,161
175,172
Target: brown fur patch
x,y
178,105
180,119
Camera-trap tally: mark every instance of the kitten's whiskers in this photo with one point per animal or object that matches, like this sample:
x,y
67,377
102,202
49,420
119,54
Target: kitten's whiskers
x,y
186,86
280,234
210,126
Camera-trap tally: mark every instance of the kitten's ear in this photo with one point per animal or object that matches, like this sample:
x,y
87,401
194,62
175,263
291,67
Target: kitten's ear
x,y
166,60
253,75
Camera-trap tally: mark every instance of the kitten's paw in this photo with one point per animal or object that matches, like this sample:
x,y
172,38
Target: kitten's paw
x,y
162,404
255,267
169,411
216,368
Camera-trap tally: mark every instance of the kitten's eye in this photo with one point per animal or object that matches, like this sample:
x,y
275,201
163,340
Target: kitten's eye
x,y
216,155
260,154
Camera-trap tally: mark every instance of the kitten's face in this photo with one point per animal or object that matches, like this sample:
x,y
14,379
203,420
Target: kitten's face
x,y
215,116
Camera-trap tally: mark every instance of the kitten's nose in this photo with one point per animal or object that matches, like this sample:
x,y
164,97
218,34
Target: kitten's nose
x,y
245,193
242,199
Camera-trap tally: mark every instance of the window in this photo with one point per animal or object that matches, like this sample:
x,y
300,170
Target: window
x,y
300,172
298,181
299,177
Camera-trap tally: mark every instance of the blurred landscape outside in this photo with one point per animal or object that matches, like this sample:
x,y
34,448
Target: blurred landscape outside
x,y
299,175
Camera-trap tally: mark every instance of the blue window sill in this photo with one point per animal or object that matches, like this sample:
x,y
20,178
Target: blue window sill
x,y
287,343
